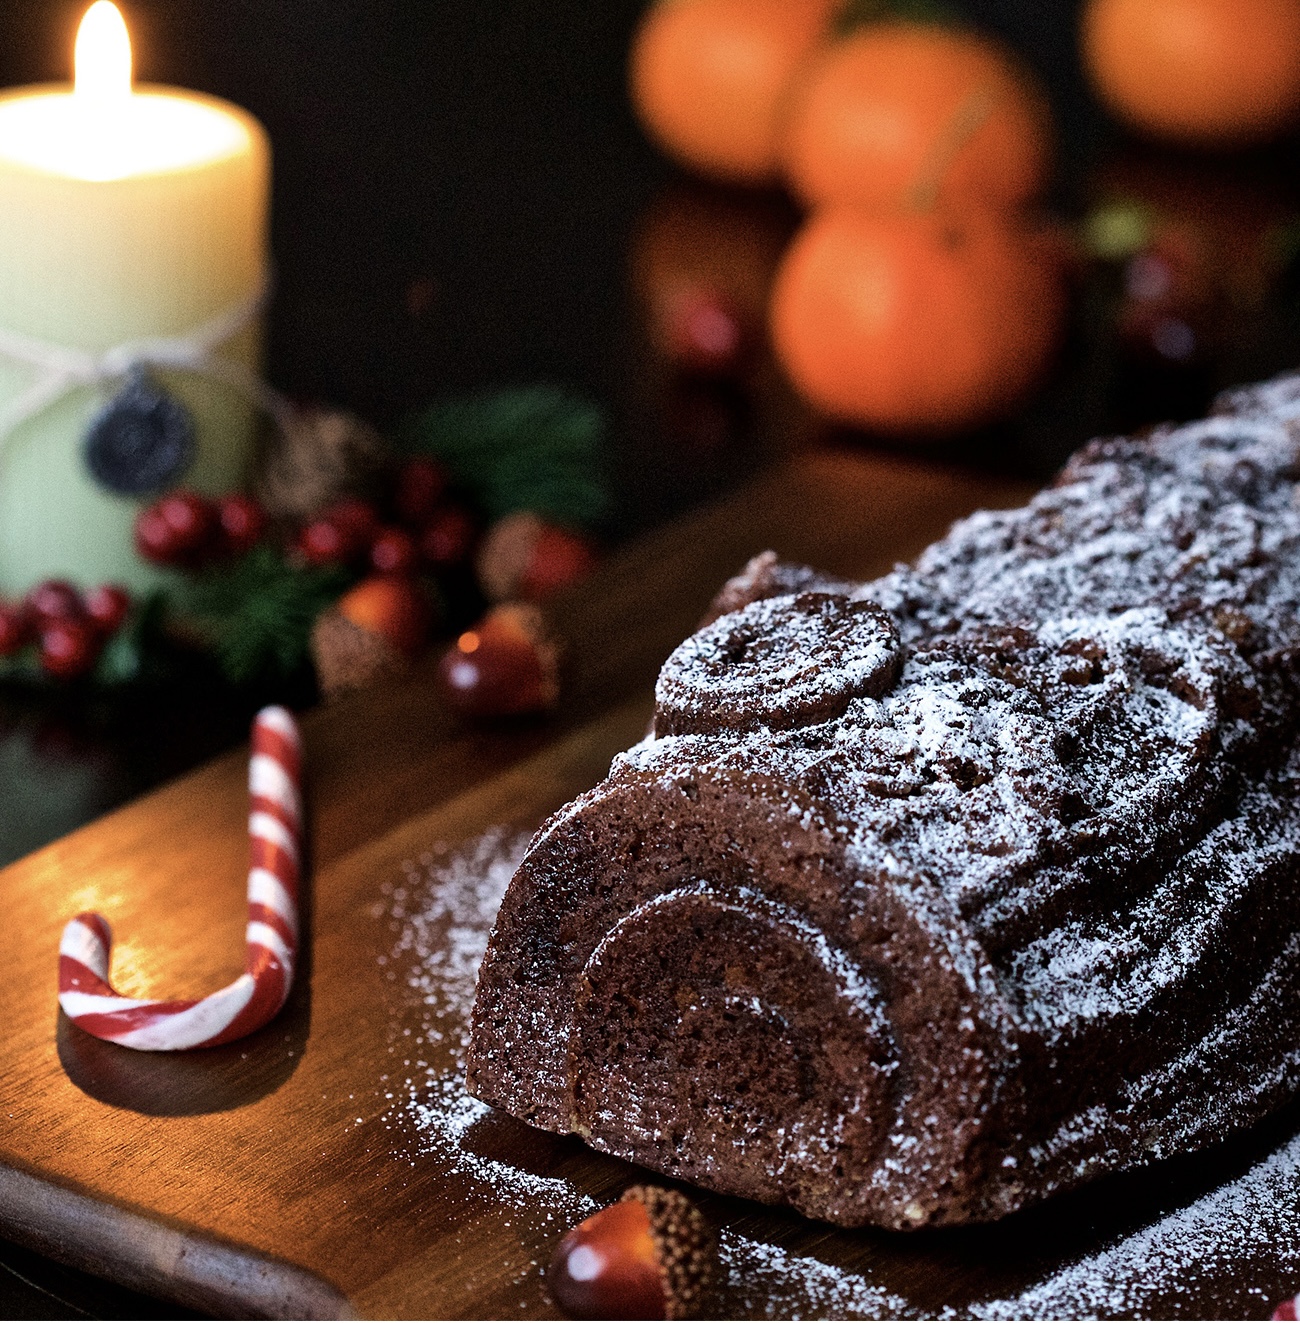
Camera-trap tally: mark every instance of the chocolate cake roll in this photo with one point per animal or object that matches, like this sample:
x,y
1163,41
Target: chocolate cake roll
x,y
930,896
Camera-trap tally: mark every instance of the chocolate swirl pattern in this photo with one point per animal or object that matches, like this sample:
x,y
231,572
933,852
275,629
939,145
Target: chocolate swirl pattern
x,y
934,895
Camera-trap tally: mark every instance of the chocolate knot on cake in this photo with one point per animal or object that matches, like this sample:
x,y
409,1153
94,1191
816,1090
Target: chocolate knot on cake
x,y
933,895
778,662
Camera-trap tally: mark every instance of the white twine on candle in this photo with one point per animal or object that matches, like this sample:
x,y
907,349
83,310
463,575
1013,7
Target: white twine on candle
x,y
61,369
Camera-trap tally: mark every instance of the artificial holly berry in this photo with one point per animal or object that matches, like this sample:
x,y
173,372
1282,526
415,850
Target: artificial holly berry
x,y
54,599
648,1256
356,517
703,332
242,521
420,485
393,551
392,606
15,628
323,542
506,665
523,556
106,607
69,648
191,518
448,537
176,529
154,539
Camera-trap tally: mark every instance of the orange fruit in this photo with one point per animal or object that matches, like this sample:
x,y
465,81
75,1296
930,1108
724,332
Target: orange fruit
x,y
710,78
915,322
907,114
1203,73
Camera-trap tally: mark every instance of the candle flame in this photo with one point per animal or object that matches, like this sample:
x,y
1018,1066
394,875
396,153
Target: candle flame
x,y
103,55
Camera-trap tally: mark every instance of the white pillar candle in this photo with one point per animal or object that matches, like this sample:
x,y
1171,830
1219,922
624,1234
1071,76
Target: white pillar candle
x,y
126,214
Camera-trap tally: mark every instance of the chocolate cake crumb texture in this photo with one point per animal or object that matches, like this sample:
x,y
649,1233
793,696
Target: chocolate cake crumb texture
x,y
942,934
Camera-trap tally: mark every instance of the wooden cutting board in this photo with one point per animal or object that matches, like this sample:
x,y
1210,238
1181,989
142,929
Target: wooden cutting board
x,y
330,1165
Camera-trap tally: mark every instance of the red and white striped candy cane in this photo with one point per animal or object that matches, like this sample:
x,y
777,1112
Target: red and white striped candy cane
x,y
275,838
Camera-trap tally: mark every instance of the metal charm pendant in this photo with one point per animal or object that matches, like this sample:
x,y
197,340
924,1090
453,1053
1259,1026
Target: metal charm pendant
x,y
142,441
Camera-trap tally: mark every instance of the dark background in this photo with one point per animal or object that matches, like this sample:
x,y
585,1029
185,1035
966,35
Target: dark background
x,y
454,183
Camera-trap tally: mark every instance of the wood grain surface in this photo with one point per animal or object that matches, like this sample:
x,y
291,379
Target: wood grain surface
x,y
284,1175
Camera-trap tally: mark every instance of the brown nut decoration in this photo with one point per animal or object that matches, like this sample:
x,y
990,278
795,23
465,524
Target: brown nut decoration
x,y
651,1255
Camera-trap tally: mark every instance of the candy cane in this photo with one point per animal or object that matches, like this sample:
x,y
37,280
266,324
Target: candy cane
x,y
275,838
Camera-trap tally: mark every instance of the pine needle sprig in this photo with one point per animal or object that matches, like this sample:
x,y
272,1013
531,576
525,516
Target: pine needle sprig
x,y
257,613
532,449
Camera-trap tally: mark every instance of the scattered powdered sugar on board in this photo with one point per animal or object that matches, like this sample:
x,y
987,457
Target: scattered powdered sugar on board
x,y
1249,1225
1246,1232
766,1281
441,913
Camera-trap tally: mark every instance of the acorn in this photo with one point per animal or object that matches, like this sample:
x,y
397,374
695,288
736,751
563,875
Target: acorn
x,y
371,633
348,656
524,556
507,665
651,1255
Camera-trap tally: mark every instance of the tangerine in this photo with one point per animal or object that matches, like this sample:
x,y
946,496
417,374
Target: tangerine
x,y
1204,73
915,322
906,114
710,78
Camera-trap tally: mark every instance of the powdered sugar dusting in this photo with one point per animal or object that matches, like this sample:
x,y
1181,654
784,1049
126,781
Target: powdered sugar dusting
x,y
1232,1252
766,1281
441,913
1246,1233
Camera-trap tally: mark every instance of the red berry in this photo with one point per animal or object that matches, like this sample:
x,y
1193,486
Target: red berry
x,y
15,628
323,542
448,537
394,608
704,333
155,539
393,552
505,666
355,517
191,518
106,606
55,599
420,486
69,648
242,520
175,529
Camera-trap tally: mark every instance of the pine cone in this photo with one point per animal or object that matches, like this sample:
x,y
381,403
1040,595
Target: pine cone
x,y
322,456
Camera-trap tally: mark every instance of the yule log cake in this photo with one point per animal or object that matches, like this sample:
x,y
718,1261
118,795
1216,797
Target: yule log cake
x,y
933,895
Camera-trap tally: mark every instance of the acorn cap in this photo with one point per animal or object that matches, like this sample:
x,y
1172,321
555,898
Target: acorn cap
x,y
686,1247
348,657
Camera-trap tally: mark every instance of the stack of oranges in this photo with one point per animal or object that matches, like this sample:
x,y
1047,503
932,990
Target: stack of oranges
x,y
917,297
